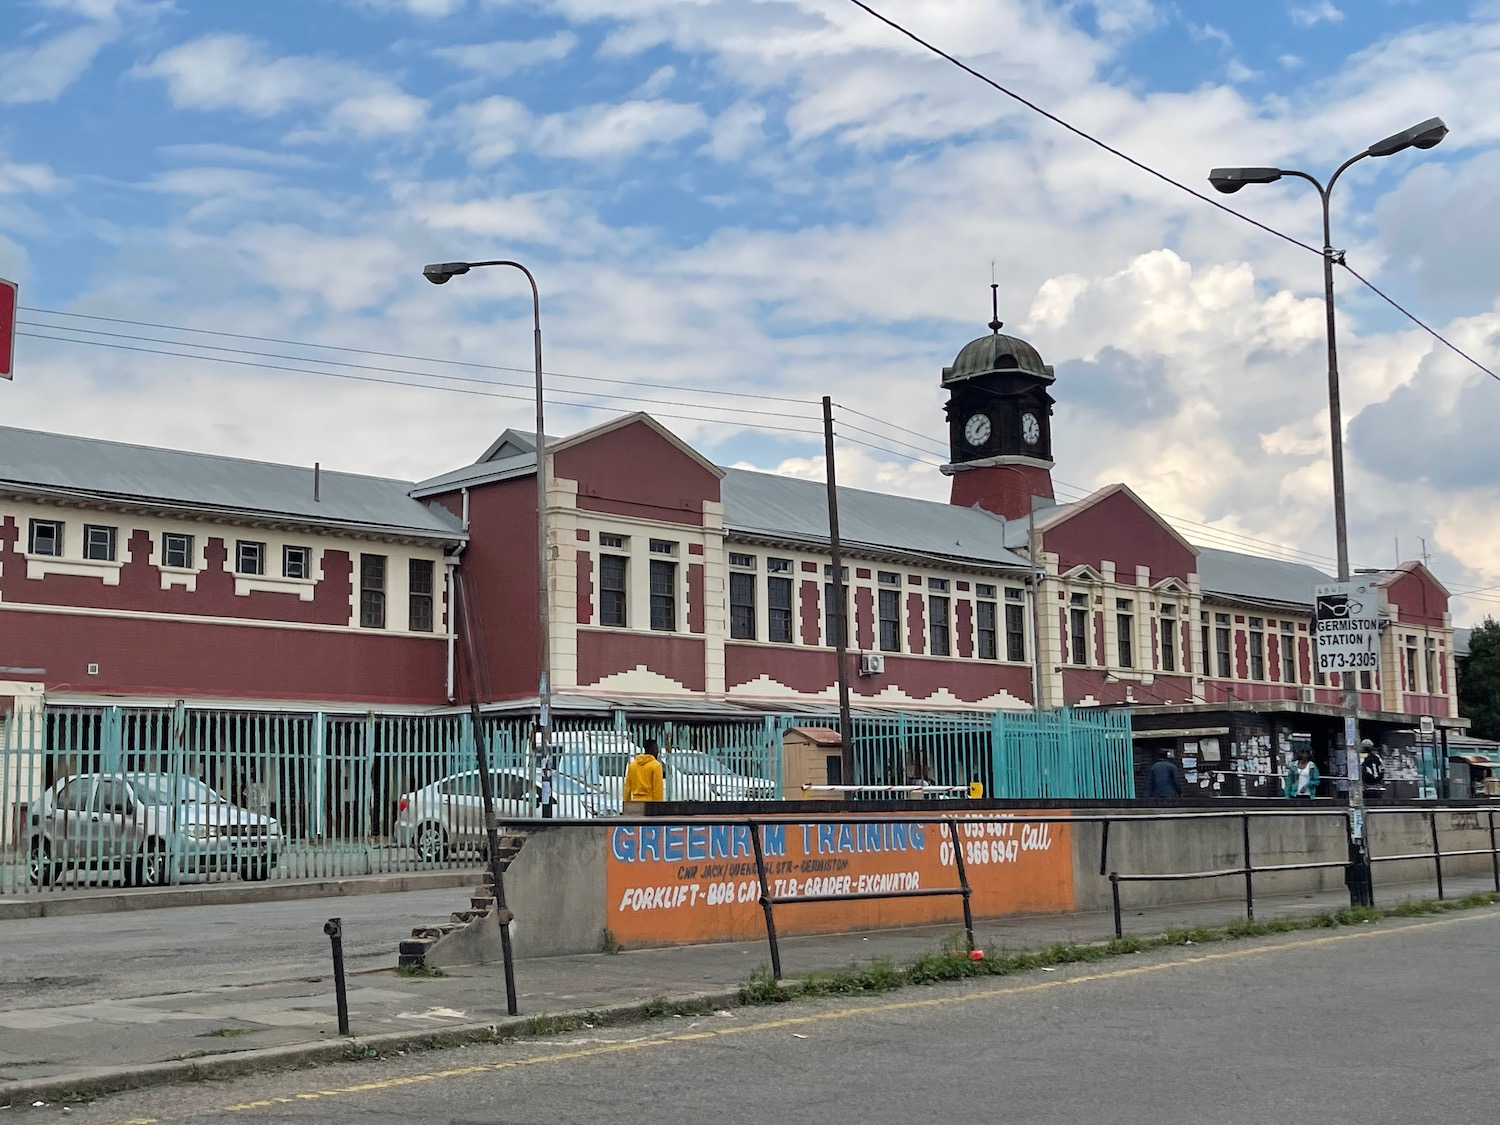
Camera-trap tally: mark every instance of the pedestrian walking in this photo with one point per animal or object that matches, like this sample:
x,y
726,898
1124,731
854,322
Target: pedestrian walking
x,y
1371,770
644,780
1163,781
1302,776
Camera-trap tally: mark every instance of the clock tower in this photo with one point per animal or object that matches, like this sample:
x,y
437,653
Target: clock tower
x,y
999,424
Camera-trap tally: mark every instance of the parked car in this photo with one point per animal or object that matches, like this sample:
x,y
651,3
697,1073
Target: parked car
x,y
447,816
600,758
148,827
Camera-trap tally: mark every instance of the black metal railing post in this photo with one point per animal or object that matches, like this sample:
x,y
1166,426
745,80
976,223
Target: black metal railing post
x,y
1104,850
1249,870
765,899
1114,890
963,880
1437,854
334,928
1494,853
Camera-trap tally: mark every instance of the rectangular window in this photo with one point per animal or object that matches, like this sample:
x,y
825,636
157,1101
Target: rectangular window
x,y
296,562
1411,663
663,596
1015,632
98,542
744,562
835,616
888,578
663,547
1168,638
177,550
987,630
612,590
778,566
1257,649
1288,652
372,591
778,608
1078,628
419,595
1225,667
46,538
1125,631
1429,664
890,618
937,627
249,558
614,542
985,590
940,584
1366,681
741,605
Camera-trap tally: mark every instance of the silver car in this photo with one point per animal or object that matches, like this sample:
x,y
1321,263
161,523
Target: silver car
x,y
447,817
148,827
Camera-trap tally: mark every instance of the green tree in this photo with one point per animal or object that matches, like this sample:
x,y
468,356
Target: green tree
x,y
1479,681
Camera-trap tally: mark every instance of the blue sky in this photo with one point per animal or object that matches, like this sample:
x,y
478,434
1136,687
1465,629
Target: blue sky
x,y
772,198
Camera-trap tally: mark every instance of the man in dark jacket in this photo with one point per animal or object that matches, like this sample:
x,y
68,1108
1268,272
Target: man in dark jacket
x,y
1162,779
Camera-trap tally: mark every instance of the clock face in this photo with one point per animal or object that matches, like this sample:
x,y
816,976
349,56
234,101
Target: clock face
x,y
977,430
1031,429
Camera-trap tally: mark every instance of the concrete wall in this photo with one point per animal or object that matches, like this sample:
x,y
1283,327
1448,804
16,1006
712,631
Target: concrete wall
x,y
557,885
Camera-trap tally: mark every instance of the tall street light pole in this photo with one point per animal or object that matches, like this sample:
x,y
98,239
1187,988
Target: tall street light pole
x,y
1229,180
439,274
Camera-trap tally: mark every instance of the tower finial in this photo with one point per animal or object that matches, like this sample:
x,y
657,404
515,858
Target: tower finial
x,y
995,322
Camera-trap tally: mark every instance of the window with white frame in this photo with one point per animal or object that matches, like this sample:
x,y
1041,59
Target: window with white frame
x,y
1411,663
177,550
778,606
1257,648
1168,645
45,537
296,562
939,629
1429,664
1078,628
663,595
1288,652
98,542
614,542
613,570
1015,624
1125,631
419,595
1224,665
986,621
372,591
888,609
741,605
249,557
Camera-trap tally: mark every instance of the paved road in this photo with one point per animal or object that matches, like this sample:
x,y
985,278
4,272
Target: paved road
x,y
1389,1023
51,961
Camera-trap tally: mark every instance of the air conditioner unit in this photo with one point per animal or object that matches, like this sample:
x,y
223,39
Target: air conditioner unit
x,y
1306,695
871,663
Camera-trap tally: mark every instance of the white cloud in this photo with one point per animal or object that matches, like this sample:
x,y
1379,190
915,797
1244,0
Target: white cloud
x,y
42,72
493,129
229,71
736,131
612,132
1314,13
16,179
505,57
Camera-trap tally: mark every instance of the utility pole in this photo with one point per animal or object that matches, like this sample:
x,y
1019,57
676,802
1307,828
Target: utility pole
x,y
840,613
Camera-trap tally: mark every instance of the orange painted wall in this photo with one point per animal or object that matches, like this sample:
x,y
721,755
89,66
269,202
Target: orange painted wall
x,y
685,883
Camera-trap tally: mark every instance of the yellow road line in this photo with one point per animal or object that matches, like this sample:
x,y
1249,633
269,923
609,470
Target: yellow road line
x,y
845,1013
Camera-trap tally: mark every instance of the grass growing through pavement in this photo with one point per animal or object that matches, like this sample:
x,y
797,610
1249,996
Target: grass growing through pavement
x,y
419,971
954,963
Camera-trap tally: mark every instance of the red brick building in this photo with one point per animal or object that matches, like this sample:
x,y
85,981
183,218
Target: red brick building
x,y
137,574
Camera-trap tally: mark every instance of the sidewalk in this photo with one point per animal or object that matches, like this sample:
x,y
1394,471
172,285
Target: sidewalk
x,y
65,1042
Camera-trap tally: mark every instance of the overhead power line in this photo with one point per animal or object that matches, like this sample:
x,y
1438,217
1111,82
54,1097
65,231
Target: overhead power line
x,y
1157,174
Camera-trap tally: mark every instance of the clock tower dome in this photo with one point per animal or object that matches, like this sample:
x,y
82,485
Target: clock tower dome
x,y
999,424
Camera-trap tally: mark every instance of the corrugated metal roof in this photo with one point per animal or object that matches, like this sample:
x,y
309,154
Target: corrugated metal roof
x,y
1251,576
765,504
109,470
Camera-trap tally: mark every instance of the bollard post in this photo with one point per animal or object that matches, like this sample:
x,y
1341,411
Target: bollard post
x,y
1437,855
334,928
963,880
1104,849
1114,890
1249,871
765,899
1494,853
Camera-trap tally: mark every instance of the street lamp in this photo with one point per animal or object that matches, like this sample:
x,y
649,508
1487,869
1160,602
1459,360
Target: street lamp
x,y
440,273
1230,180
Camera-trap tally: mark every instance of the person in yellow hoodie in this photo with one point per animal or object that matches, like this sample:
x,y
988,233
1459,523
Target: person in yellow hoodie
x,y
643,777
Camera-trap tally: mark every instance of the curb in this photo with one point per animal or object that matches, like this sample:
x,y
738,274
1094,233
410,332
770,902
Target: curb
x,y
88,1084
232,894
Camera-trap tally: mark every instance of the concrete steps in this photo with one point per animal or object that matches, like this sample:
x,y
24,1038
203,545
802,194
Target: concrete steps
x,y
413,951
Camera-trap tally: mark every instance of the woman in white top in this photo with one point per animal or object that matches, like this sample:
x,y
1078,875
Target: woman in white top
x,y
1302,776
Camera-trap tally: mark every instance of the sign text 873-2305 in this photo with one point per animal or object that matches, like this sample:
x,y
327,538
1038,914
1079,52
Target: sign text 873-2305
x,y
1347,661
